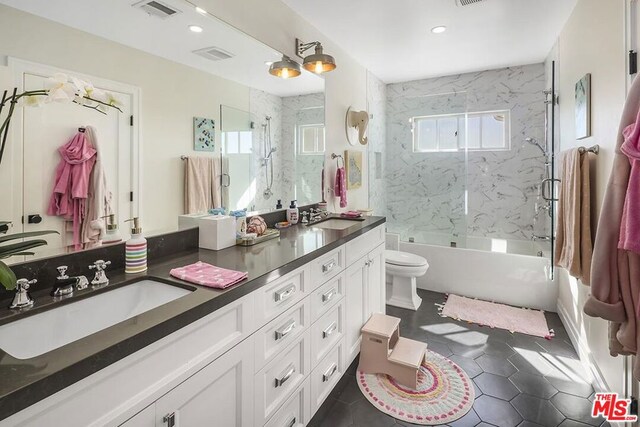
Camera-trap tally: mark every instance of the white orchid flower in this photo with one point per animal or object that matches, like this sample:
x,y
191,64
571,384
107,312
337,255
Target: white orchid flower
x,y
60,90
112,100
33,101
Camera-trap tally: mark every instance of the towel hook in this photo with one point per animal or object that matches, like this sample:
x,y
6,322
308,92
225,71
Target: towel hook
x,y
337,157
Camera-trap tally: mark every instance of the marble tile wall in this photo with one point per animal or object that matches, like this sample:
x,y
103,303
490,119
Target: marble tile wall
x,y
263,104
479,193
289,171
377,107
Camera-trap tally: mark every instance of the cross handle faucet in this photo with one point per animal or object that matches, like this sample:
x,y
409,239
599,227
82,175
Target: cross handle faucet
x,y
100,278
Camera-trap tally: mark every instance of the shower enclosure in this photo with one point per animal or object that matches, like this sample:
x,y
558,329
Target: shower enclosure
x,y
469,161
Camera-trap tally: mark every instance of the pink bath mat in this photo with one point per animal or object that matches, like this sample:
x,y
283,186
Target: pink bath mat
x,y
522,320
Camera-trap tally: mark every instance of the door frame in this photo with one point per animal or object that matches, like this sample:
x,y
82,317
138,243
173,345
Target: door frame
x,y
18,68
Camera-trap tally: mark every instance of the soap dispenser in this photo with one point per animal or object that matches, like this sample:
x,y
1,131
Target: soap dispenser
x,y
135,249
112,234
293,213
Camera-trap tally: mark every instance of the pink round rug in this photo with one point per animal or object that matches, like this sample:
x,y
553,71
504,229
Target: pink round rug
x,y
444,394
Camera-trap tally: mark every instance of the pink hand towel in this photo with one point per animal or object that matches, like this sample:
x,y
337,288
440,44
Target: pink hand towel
x,y
209,275
340,187
630,224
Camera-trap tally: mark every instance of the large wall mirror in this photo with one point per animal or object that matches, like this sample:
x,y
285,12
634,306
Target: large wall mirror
x,y
188,86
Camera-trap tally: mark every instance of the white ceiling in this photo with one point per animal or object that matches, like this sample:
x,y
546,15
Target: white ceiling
x,y
170,38
393,38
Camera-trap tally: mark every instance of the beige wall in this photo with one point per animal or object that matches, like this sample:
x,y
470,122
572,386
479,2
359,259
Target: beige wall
x,y
592,42
275,24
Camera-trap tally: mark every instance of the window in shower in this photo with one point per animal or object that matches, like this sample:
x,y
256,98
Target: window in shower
x,y
237,142
311,139
478,131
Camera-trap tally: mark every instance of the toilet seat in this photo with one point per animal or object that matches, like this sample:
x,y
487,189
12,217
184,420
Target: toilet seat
x,y
404,259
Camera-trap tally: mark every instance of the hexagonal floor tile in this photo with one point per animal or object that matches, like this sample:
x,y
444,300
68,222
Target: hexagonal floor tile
x,y
496,386
467,364
526,423
572,423
534,385
531,362
470,419
575,408
496,365
539,411
365,414
440,348
570,386
497,412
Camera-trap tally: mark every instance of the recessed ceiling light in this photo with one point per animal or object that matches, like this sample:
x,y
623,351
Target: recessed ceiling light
x,y
195,28
201,10
439,29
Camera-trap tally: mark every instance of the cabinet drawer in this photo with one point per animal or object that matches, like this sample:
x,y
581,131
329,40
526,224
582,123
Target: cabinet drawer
x,y
283,293
326,375
327,266
296,411
280,377
281,332
361,245
326,332
327,296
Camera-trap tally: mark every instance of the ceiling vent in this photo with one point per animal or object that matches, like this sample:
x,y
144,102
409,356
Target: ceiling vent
x,y
467,2
157,8
213,53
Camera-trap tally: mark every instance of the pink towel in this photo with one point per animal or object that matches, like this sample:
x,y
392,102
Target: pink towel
x,y
630,224
209,275
341,186
351,214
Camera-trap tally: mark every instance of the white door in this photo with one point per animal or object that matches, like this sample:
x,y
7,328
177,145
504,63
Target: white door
x,y
44,129
51,126
356,301
221,394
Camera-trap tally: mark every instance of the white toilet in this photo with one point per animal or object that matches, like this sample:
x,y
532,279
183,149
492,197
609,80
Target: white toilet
x,y
402,269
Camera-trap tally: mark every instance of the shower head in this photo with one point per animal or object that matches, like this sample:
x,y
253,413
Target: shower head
x,y
535,142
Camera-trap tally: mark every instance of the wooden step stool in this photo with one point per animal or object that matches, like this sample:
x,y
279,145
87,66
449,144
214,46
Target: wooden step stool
x,y
384,351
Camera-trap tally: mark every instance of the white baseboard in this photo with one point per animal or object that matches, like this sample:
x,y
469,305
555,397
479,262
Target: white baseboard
x,y
600,384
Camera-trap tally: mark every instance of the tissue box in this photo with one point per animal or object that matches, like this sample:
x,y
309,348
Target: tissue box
x,y
190,220
217,232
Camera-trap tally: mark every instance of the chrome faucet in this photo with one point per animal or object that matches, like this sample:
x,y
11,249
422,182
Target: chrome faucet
x,y
64,284
316,214
100,279
22,298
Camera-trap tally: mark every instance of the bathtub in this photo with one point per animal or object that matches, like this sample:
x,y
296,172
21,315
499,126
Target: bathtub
x,y
500,276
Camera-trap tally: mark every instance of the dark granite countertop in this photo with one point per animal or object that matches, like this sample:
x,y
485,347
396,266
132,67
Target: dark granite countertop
x,y
25,382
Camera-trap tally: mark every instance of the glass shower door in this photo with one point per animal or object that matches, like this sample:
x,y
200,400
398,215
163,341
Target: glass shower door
x,y
426,167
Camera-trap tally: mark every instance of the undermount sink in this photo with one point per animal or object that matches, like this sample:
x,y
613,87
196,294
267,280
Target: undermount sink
x,y
335,224
43,332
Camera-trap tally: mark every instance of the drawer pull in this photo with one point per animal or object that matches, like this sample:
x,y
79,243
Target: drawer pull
x,y
292,422
285,330
284,294
170,419
327,375
326,297
283,379
330,329
328,266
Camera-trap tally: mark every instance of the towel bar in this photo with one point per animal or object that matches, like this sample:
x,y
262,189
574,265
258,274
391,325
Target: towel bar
x,y
594,149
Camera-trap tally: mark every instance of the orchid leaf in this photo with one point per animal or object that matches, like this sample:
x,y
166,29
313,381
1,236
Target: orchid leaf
x,y
14,248
25,235
7,277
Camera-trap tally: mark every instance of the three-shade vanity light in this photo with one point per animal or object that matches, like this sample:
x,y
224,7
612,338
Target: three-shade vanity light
x,y
318,62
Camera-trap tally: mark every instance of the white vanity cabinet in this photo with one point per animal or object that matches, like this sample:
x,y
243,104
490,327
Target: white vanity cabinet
x,y
365,287
268,359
